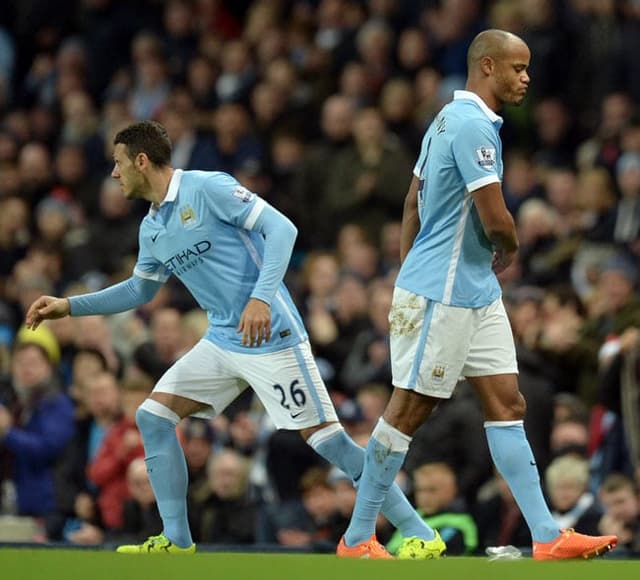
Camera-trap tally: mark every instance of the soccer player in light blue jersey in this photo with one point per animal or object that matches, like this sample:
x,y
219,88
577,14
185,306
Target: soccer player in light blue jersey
x,y
231,250
447,317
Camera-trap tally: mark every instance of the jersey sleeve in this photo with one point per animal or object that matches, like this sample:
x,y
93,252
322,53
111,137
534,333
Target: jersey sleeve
x,y
147,266
232,203
475,149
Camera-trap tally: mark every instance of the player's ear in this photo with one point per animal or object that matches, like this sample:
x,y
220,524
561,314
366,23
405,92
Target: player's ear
x,y
141,161
487,65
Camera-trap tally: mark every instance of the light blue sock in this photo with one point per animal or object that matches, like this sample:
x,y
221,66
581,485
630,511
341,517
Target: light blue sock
x,y
167,468
338,448
383,459
514,459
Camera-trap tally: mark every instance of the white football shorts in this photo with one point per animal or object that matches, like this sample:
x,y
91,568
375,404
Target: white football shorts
x,y
434,345
287,382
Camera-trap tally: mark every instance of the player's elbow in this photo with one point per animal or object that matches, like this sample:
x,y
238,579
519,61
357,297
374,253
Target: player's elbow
x,y
411,199
292,229
500,228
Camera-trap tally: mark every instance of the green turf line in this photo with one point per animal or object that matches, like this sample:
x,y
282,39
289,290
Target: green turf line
x,y
25,564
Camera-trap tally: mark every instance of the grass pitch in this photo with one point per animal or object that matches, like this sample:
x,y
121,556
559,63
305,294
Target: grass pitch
x,y
44,564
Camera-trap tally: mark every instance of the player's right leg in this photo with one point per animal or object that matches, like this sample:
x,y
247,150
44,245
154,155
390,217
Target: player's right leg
x,y
384,456
428,346
197,384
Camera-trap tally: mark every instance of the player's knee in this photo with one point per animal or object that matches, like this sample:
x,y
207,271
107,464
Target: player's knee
x,y
517,407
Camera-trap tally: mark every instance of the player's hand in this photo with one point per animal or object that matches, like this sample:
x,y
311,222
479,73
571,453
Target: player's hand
x,y
255,323
46,308
84,506
6,421
502,259
609,525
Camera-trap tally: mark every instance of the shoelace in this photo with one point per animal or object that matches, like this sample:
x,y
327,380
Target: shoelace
x,y
151,542
377,547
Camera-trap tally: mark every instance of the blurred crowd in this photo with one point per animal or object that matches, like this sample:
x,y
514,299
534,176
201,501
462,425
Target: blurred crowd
x,y
319,106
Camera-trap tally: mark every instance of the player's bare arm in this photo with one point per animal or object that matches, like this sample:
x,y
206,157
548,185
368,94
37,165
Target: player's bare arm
x,y
410,219
255,323
498,224
46,308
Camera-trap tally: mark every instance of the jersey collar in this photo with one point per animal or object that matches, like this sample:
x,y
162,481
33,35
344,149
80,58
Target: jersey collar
x,y
174,184
478,101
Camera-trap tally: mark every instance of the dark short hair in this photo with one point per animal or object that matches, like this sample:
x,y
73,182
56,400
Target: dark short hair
x,y
95,353
617,481
148,137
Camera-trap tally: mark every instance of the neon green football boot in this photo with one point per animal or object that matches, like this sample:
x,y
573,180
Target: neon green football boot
x,y
418,549
156,545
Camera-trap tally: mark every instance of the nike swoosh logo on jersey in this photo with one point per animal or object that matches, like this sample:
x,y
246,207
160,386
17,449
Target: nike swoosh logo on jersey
x,y
155,237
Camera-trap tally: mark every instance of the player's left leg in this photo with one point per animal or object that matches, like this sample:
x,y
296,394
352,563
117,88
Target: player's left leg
x,y
292,391
157,420
504,409
491,369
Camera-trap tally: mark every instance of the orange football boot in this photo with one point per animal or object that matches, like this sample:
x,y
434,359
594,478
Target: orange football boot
x,y
369,550
571,544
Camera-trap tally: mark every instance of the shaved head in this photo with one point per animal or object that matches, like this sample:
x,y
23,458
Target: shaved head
x,y
492,43
497,63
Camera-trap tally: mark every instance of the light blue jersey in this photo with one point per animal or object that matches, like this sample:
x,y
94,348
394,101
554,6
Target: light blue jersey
x,y
450,261
204,234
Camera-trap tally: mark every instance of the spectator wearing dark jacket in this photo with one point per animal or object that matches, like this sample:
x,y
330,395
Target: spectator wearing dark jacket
x,y
37,425
99,406
225,515
141,517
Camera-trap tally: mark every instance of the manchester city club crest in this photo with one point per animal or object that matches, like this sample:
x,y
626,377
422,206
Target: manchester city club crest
x,y
188,217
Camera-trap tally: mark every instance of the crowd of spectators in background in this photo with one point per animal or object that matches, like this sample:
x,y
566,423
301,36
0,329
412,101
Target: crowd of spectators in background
x,y
318,106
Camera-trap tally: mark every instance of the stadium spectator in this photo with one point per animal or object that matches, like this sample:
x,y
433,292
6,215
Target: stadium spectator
x,y
368,360
225,514
364,187
437,500
113,232
140,515
107,470
197,441
310,521
569,437
572,504
36,422
619,497
498,517
98,406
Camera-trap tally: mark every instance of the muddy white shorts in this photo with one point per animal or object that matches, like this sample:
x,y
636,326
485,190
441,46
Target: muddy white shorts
x,y
434,345
287,382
